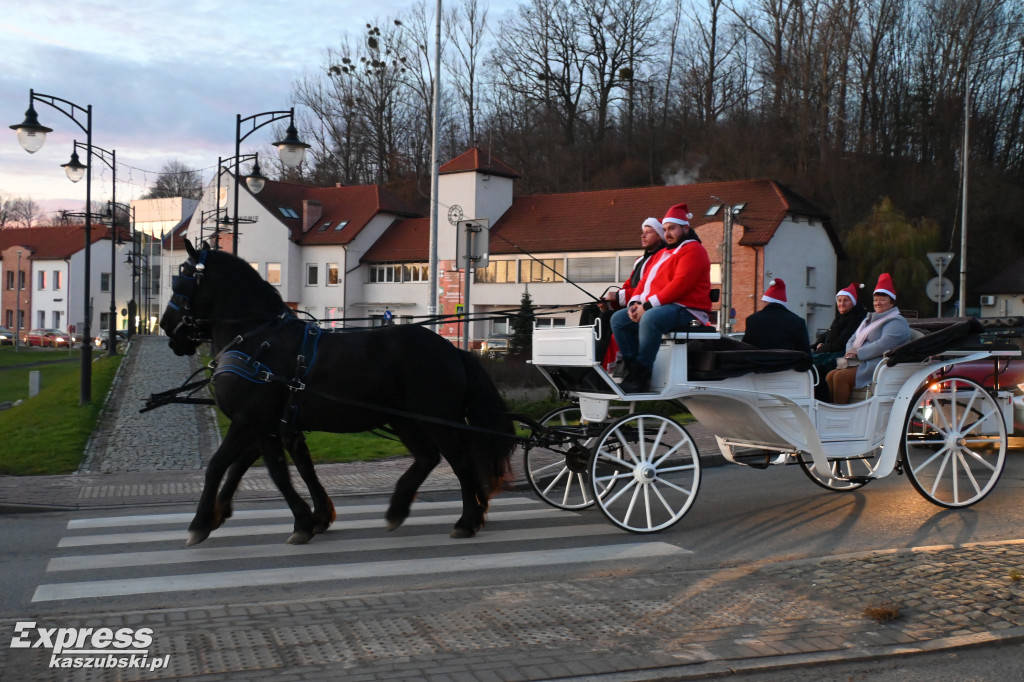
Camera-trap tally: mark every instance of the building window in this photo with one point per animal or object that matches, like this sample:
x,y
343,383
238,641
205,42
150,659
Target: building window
x,y
56,280
716,273
398,272
41,319
104,321
542,270
10,279
104,284
8,318
41,284
550,321
312,274
811,277
497,272
332,275
333,317
56,319
21,280
592,269
255,266
274,273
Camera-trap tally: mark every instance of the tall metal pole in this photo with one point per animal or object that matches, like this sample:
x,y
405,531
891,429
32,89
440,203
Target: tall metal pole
x,y
85,389
17,306
962,312
112,322
435,164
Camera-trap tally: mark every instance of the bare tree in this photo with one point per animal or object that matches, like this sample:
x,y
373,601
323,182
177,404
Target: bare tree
x,y
465,27
176,180
25,212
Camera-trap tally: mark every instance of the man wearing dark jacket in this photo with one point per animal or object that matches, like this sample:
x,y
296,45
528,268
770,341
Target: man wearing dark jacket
x,y
775,326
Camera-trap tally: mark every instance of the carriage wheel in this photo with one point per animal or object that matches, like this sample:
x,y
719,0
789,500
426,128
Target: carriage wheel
x,y
839,472
954,443
649,467
562,478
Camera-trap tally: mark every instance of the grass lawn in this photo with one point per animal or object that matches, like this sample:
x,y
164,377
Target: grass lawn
x,y
47,434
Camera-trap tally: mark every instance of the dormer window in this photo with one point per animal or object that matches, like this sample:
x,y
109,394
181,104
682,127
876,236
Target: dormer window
x,y
341,225
323,228
287,212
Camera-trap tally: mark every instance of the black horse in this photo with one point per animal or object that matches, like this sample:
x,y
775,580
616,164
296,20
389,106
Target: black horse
x,y
277,376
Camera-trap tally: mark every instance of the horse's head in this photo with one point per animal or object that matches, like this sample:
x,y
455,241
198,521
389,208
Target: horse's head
x,y
180,320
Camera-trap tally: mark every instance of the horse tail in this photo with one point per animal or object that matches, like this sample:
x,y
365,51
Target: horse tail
x,y
485,409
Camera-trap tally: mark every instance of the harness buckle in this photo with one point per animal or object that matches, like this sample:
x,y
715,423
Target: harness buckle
x,y
266,376
296,385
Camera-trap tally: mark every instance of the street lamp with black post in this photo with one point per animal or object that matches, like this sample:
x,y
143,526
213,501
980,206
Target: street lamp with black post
x,y
32,135
255,181
291,150
74,174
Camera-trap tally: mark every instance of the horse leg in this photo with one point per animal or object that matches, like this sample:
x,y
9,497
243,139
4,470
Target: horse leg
x,y
425,457
277,466
231,480
208,514
323,509
474,497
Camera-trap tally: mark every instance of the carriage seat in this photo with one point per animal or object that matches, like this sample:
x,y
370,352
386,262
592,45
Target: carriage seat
x,y
715,359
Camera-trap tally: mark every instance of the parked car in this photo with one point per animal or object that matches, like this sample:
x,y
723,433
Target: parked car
x,y
495,346
6,337
48,337
101,339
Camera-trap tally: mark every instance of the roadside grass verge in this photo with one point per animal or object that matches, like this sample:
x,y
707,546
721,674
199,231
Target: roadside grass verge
x,y
47,434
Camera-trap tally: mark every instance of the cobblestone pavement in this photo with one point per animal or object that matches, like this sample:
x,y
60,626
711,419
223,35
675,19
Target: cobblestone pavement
x,y
602,626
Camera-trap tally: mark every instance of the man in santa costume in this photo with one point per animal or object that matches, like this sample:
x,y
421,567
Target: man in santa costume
x,y
775,325
674,291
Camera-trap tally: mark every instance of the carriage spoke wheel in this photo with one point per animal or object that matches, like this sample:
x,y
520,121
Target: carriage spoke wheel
x,y
649,468
560,477
836,478
954,443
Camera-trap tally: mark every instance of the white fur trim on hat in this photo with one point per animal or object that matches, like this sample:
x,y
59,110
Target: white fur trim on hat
x,y
655,225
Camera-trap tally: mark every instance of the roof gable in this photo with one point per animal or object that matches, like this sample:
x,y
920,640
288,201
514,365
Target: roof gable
x,y
477,160
53,241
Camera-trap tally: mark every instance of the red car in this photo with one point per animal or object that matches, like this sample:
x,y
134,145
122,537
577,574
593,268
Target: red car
x,y
54,338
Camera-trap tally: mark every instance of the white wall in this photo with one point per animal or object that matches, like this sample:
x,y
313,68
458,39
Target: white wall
x,y
795,248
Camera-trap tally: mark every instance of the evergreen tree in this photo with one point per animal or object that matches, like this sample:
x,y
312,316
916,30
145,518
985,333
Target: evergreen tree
x,y
520,346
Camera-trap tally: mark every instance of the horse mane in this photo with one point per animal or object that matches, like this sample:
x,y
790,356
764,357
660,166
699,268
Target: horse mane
x,y
242,287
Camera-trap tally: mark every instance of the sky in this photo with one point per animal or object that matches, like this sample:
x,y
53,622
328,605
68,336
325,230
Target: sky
x,y
165,78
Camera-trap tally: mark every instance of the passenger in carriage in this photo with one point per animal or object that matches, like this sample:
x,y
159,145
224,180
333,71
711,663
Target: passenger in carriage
x,y
830,345
652,239
880,331
674,291
775,326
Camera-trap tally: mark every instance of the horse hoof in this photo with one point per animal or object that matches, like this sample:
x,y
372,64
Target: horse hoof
x,y
195,537
299,537
394,524
460,533
320,528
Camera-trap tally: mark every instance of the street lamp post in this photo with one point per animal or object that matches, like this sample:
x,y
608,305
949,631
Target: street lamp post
x,y
109,158
113,208
291,150
32,135
17,306
255,181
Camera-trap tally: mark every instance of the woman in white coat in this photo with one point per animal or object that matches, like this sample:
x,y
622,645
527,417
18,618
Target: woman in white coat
x,y
882,330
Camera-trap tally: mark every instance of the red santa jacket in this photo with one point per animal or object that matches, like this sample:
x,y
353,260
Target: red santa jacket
x,y
681,275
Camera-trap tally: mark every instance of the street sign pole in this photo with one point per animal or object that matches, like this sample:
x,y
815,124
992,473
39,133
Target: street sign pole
x,y
940,260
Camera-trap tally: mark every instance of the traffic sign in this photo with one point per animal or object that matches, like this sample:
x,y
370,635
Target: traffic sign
x,y
939,289
940,260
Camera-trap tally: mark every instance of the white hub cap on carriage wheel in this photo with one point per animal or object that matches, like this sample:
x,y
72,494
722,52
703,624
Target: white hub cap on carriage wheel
x,y
647,471
954,443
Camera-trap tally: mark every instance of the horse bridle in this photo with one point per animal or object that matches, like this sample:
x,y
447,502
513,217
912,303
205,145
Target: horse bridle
x,y
183,288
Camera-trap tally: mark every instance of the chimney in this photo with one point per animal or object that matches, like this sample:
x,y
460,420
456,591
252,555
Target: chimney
x,y
311,212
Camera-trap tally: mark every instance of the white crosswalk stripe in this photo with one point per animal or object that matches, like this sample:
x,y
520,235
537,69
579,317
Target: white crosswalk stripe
x,y
144,554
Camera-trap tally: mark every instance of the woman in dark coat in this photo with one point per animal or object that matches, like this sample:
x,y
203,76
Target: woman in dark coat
x,y
830,345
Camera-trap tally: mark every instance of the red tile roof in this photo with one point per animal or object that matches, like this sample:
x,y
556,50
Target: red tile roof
x,y
54,241
475,159
611,219
354,205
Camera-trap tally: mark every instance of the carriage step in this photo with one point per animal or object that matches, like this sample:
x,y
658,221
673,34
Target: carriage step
x,y
857,479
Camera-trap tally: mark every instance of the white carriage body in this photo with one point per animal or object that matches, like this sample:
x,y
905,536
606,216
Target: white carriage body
x,y
770,411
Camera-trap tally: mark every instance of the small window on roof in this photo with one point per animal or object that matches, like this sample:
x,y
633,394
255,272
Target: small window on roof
x,y
287,212
323,228
340,225
715,208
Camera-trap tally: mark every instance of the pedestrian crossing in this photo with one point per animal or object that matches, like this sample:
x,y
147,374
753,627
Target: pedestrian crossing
x,y
123,556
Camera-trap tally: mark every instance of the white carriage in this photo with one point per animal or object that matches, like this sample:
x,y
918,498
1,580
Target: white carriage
x,y
948,434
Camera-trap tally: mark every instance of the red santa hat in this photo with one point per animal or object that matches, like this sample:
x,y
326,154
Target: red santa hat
x,y
850,291
655,225
885,286
776,292
678,214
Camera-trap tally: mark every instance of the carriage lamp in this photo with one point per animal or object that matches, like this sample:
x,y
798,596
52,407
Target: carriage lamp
x,y
31,136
